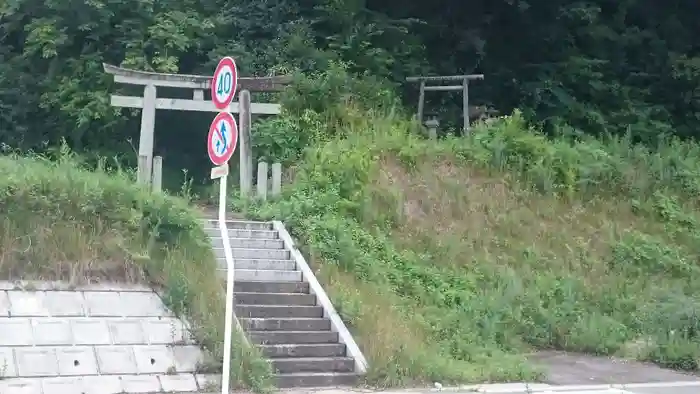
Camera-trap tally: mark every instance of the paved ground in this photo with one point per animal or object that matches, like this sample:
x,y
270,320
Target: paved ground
x,y
628,377
583,374
665,390
534,388
570,374
569,369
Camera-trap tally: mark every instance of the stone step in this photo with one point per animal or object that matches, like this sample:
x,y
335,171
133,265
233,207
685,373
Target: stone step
x,y
247,243
274,299
264,275
252,264
323,379
292,337
242,233
313,364
270,287
303,350
243,253
248,311
238,225
286,324
263,265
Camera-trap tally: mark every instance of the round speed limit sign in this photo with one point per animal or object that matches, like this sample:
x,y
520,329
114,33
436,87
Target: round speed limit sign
x,y
224,83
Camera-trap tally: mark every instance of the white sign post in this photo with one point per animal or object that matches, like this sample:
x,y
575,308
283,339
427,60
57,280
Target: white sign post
x,y
221,143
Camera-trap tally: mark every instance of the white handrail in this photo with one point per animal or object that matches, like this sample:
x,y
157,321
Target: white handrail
x,y
328,309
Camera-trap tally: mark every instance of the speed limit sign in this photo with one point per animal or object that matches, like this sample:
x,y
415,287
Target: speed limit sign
x,y
224,83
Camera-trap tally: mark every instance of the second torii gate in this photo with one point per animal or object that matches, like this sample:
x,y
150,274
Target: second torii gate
x,y
198,83
463,87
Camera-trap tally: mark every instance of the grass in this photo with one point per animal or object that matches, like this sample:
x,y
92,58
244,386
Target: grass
x,y
61,221
453,260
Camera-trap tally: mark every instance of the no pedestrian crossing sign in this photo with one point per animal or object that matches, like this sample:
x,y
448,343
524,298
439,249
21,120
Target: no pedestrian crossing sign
x,y
224,83
222,138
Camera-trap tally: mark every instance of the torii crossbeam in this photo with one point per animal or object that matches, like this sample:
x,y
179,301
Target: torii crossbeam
x,y
198,84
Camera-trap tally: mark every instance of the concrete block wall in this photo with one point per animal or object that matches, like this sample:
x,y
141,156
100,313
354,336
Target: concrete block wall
x,y
101,339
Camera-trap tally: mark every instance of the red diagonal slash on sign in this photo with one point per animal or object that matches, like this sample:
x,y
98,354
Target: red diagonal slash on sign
x,y
220,134
226,133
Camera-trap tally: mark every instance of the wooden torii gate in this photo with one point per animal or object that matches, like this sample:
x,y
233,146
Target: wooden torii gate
x,y
150,168
463,87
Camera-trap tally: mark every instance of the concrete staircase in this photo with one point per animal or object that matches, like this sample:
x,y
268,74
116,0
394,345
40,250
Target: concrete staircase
x,y
283,309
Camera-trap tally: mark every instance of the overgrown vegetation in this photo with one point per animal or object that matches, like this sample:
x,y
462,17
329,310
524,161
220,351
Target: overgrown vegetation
x,y
449,259
61,221
452,260
600,66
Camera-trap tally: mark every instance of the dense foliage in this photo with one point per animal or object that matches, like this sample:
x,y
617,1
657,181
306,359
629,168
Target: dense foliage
x,y
61,221
453,260
625,71
601,66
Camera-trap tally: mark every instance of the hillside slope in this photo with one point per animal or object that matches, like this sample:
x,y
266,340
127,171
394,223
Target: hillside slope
x,y
62,221
453,260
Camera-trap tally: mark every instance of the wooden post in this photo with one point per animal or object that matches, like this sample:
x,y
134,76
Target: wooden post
x,y
142,166
157,174
262,180
465,105
244,144
421,102
146,137
276,179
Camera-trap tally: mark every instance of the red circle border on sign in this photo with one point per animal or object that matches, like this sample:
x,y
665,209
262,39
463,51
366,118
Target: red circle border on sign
x,y
221,160
226,61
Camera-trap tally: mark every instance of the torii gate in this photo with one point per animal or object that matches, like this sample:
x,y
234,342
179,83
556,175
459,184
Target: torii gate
x,y
150,168
463,87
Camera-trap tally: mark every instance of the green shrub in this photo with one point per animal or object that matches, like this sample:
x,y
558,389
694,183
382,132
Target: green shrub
x,y
485,298
62,222
313,105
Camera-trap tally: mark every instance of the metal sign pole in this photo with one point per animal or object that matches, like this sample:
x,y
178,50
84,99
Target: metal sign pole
x,y
221,143
228,321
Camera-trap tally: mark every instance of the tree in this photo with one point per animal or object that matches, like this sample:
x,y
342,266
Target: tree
x,y
601,66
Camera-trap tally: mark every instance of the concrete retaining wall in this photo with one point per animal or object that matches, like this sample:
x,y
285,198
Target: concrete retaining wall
x,y
100,339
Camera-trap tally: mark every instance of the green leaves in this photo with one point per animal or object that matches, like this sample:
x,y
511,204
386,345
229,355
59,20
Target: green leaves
x,y
623,68
44,38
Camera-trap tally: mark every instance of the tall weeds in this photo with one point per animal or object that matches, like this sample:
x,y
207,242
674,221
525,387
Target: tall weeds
x,y
491,246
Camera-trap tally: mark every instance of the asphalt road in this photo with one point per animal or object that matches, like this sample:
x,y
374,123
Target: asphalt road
x,y
577,369
666,390
519,388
